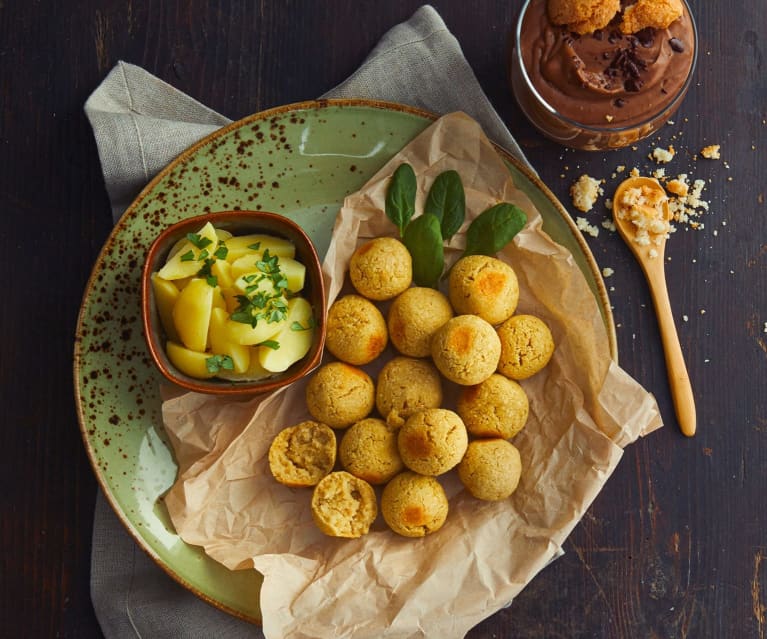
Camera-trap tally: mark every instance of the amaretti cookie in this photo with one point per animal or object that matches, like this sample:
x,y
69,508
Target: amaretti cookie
x,y
526,346
381,268
339,394
466,349
414,316
414,505
303,454
356,330
368,450
484,286
491,469
654,14
344,505
498,407
432,441
406,385
583,16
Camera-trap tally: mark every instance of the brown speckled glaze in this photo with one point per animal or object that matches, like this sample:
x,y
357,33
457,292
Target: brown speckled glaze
x,y
299,161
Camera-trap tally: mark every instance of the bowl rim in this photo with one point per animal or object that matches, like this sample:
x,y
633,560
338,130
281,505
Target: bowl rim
x,y
591,128
308,363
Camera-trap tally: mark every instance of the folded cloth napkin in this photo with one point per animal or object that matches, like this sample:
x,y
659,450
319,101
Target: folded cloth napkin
x,y
140,124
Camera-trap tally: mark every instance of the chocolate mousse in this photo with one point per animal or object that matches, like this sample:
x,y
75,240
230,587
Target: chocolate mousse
x,y
573,85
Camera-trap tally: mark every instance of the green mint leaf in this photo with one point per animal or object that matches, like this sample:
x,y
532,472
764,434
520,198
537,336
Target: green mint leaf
x,y
270,343
400,197
423,239
447,202
188,256
493,229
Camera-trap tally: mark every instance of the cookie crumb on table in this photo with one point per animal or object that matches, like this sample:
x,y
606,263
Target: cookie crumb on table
x,y
711,152
662,156
585,191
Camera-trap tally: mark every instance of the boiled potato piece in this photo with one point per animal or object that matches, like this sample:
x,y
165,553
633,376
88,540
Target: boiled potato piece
x,y
189,362
294,342
221,344
294,272
176,268
244,264
254,373
222,271
250,335
165,295
191,314
240,245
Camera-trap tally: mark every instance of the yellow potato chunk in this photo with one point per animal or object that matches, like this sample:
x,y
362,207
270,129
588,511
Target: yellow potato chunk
x,y
191,314
178,267
294,272
221,344
242,244
255,371
295,339
189,362
246,334
244,264
222,271
165,295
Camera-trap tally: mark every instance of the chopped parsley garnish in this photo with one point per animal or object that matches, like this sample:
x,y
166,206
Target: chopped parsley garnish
x,y
297,326
215,363
199,241
270,343
188,256
255,247
259,304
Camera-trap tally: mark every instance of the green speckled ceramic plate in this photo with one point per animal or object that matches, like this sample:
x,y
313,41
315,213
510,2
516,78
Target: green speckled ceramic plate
x,y
300,160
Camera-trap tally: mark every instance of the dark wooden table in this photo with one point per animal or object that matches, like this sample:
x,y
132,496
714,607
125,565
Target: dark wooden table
x,y
676,544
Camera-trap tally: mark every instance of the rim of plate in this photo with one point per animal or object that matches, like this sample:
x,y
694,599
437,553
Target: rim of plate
x,y
382,105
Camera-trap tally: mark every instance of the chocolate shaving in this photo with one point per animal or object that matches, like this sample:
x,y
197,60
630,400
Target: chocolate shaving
x,y
628,64
676,45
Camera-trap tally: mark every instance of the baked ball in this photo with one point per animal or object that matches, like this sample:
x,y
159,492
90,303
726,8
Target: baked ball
x,y
484,286
344,505
303,454
526,346
491,468
466,349
356,330
406,385
498,407
414,505
368,450
339,395
381,268
432,441
414,317
583,16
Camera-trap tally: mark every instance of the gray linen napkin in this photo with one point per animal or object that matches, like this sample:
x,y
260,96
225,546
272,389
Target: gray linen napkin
x,y
140,124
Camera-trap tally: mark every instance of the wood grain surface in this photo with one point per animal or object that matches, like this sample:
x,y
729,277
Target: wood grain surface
x,y
676,544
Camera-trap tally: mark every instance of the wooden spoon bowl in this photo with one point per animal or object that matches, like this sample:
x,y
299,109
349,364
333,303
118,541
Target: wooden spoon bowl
x,y
633,221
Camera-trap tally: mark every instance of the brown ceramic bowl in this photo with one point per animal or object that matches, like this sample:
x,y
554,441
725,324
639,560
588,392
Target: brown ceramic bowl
x,y
238,223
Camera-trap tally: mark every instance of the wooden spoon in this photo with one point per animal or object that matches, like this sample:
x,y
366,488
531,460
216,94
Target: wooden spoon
x,y
651,258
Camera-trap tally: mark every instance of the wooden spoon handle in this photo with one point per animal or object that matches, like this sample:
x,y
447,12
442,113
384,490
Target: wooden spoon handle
x,y
679,380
